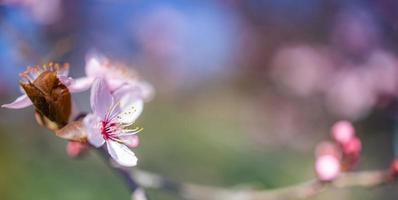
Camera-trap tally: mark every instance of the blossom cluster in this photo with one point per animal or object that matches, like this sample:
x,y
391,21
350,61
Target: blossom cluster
x,y
117,100
338,156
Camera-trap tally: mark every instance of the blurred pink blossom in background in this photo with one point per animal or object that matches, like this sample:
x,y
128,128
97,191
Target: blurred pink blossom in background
x,y
327,167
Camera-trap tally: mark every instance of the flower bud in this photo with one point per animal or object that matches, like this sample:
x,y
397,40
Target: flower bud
x,y
132,141
351,153
51,98
327,167
343,131
394,168
76,149
352,147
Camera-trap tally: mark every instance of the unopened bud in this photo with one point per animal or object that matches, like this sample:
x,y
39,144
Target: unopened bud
x,y
343,131
394,169
132,141
327,167
351,153
353,147
76,149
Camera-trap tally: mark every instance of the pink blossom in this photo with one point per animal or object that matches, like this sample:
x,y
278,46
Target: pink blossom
x,y
327,167
350,95
113,114
31,73
117,77
343,131
301,70
382,73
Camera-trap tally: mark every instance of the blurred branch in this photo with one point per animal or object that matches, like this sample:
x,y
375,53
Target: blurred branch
x,y
137,180
365,179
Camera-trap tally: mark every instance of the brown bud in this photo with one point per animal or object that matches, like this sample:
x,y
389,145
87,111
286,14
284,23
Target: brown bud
x,y
51,99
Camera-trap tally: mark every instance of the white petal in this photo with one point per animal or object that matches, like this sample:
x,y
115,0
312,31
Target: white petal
x,y
81,84
130,110
21,102
94,135
130,105
101,99
121,154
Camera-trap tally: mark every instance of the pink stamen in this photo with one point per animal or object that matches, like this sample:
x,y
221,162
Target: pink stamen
x,y
109,130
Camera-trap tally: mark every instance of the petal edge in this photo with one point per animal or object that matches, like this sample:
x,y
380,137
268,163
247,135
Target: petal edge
x,y
21,102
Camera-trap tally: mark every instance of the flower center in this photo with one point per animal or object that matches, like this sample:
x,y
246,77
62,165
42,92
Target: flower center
x,y
109,130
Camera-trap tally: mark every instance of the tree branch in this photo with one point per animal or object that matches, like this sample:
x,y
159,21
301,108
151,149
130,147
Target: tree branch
x,y
304,190
136,180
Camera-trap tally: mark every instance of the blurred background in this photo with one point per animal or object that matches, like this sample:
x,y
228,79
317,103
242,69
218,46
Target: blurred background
x,y
245,89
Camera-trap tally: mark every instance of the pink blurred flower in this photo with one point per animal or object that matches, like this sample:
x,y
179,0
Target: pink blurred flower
x,y
343,131
351,95
327,164
382,72
302,70
109,122
117,76
32,73
327,167
76,149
